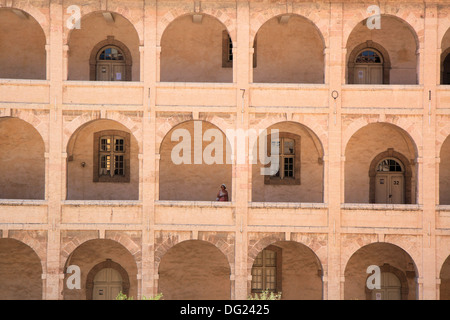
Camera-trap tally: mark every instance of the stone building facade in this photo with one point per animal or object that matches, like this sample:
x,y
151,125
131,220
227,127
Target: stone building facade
x,y
96,95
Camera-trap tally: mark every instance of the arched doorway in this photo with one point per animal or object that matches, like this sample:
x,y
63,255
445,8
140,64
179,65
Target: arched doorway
x,y
397,273
389,181
446,69
108,283
390,288
368,67
110,65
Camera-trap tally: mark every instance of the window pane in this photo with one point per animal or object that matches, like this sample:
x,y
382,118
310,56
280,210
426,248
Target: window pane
x,y
118,165
111,54
105,165
105,144
368,56
289,167
257,283
389,165
270,279
119,145
288,146
270,258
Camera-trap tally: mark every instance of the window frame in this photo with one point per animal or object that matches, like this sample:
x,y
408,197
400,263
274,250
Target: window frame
x,y
281,180
113,134
277,266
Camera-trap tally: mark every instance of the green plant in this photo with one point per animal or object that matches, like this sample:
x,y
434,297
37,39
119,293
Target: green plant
x,y
122,296
265,295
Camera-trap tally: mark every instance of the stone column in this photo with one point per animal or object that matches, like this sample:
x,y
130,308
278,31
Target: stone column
x,y
55,173
335,69
149,171
428,172
242,170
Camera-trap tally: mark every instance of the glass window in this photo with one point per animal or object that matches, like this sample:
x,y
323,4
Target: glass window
x,y
389,165
264,271
106,154
111,54
368,56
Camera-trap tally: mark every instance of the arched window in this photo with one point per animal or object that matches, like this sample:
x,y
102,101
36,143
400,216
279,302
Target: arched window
x,y
111,65
368,67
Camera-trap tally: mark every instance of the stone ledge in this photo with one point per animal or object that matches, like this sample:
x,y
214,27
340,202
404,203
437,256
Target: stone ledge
x,y
381,206
102,203
22,202
288,205
183,203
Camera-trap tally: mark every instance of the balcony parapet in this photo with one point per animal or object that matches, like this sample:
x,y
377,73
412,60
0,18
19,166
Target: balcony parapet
x,y
16,92
23,211
295,214
375,215
212,213
101,212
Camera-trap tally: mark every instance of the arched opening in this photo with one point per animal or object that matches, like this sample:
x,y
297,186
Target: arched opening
x,y
299,175
22,46
195,161
445,59
196,48
376,174
444,173
368,67
20,271
395,273
102,162
22,160
288,49
446,68
106,280
106,268
395,44
105,48
110,60
444,276
288,267
194,270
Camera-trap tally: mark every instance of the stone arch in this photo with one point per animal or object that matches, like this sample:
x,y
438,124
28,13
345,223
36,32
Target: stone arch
x,y
171,241
368,243
369,45
82,120
406,126
185,271
102,265
402,15
121,238
408,173
299,249
110,41
22,270
87,11
273,13
222,16
30,239
318,141
36,14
